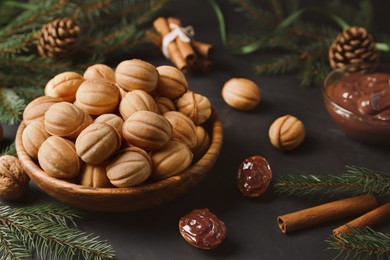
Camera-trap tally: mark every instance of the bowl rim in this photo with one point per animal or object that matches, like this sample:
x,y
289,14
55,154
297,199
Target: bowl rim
x,y
34,171
344,70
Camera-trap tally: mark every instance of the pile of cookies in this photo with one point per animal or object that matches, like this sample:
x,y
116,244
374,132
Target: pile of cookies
x,y
117,127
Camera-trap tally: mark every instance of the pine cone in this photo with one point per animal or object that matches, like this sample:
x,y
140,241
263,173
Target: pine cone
x,y
353,45
57,38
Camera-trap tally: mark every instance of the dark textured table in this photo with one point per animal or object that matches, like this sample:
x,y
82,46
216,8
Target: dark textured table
x,y
252,229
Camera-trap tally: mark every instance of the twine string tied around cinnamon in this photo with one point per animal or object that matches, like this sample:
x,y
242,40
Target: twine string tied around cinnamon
x,y
184,33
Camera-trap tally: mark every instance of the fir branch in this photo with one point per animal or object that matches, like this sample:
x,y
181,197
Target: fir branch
x,y
278,10
56,213
11,247
313,55
92,9
36,64
361,243
27,91
308,32
298,34
124,35
292,6
255,13
9,150
50,236
7,12
30,78
11,107
36,16
16,44
155,7
137,8
282,42
315,74
52,241
357,180
283,64
113,40
357,15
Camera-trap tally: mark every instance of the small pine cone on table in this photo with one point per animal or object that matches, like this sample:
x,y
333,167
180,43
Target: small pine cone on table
x,y
353,45
57,38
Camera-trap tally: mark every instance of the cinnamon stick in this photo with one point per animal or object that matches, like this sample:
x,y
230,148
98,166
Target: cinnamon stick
x,y
161,26
185,48
204,49
369,219
326,212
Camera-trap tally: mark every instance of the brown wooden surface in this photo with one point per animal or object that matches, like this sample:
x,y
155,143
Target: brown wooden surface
x,y
124,199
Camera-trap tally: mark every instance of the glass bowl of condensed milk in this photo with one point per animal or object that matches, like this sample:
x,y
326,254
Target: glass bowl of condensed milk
x,y
357,97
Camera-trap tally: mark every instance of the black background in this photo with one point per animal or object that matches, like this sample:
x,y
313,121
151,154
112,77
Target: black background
x,y
252,229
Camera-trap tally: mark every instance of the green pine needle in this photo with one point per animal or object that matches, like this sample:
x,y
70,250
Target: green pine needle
x,y
56,213
49,231
52,241
12,106
11,247
304,42
357,180
361,243
360,14
283,64
9,150
258,15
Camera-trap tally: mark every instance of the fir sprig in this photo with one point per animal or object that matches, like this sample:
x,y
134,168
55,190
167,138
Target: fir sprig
x,y
9,150
361,243
357,180
305,43
12,106
49,231
11,247
51,212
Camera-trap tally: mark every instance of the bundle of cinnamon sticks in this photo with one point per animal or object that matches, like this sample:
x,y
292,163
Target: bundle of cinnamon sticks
x,y
186,55
335,210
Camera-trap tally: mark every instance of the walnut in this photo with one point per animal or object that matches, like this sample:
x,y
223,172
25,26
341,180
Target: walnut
x,y
184,129
136,100
195,106
66,120
286,132
58,158
97,97
172,159
37,108
13,179
241,93
33,136
64,85
164,104
172,83
136,74
202,142
113,120
100,71
147,130
97,142
129,167
94,175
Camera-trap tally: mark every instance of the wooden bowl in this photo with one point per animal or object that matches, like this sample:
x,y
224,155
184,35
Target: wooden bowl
x,y
124,199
